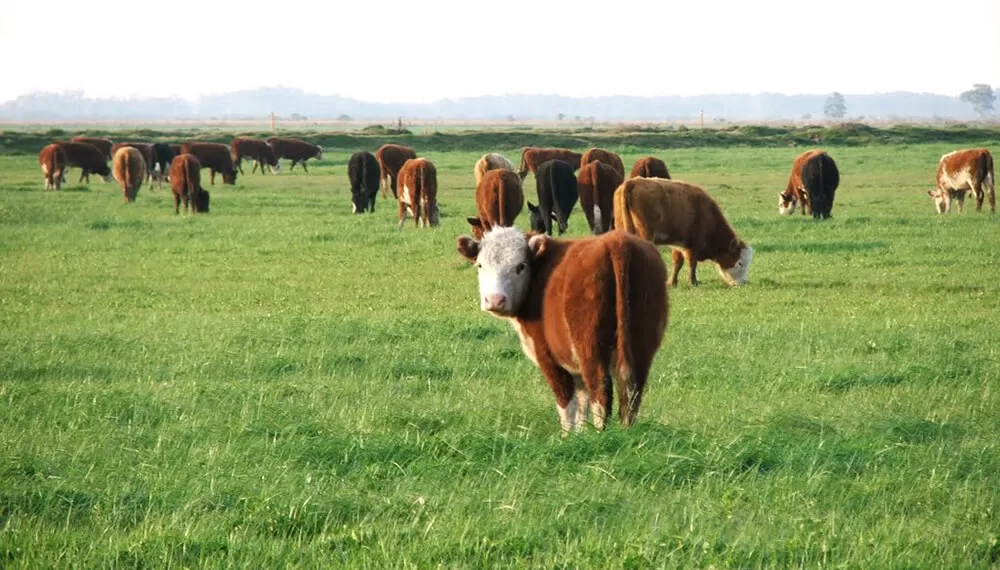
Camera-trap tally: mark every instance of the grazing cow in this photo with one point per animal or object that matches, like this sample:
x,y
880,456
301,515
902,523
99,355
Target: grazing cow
x,y
605,156
557,194
490,161
418,192
104,145
585,310
53,161
650,167
88,158
145,150
185,183
364,173
163,156
298,151
499,200
597,185
256,149
813,182
215,157
683,216
531,157
129,167
962,171
391,158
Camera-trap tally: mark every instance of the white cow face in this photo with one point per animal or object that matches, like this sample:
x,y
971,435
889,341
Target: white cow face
x,y
786,204
276,169
503,258
738,273
942,201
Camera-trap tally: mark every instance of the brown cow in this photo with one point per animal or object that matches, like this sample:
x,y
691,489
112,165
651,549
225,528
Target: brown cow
x,y
145,149
391,158
605,156
53,161
585,310
596,185
812,182
418,192
298,151
490,161
685,217
215,157
650,167
961,171
185,183
129,170
104,145
88,158
531,157
256,149
499,199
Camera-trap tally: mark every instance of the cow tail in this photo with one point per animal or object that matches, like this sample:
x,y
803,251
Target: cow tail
x,y
622,210
419,195
628,393
988,183
560,217
502,205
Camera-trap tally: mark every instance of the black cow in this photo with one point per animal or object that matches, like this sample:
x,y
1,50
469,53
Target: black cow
x,y
820,178
365,175
557,194
163,155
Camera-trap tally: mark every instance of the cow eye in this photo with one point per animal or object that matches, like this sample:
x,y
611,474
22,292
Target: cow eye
x,y
520,267
479,266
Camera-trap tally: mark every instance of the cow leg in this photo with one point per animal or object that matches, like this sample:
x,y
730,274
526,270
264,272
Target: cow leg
x,y
371,201
177,204
692,266
211,176
255,163
564,389
292,167
402,214
678,259
393,183
304,166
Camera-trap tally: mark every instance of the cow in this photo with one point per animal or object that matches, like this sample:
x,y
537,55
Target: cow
x,y
256,149
163,157
596,185
499,200
418,192
176,148
531,157
364,173
605,156
490,161
215,157
53,161
557,194
145,150
585,310
650,167
88,158
961,171
129,167
685,217
104,145
185,183
298,151
391,158
813,182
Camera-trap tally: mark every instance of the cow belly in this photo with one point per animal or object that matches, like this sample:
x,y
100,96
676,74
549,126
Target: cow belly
x,y
407,199
957,181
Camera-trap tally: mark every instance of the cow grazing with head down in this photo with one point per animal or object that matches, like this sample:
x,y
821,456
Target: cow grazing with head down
x,y
650,167
145,150
499,200
298,151
129,167
532,157
586,310
185,183
88,158
215,157
364,174
490,161
813,183
418,192
596,185
557,194
52,159
605,156
391,158
685,217
102,144
254,149
961,171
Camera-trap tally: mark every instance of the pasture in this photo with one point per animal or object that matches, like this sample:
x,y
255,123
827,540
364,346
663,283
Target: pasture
x,y
281,383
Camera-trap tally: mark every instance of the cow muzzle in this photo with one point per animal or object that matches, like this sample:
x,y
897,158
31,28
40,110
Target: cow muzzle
x,y
495,303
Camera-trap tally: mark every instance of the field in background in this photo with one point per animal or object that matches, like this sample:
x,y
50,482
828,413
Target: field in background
x,y
283,383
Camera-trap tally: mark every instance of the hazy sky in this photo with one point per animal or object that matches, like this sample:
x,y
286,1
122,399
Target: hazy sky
x,y
391,51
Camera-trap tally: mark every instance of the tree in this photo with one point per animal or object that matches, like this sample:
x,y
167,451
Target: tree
x,y
835,107
560,116
344,117
981,97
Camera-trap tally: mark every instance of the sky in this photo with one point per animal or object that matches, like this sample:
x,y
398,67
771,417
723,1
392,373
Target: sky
x,y
394,51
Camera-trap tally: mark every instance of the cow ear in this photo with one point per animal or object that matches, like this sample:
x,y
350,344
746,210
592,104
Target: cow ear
x,y
537,244
532,207
930,193
468,248
475,222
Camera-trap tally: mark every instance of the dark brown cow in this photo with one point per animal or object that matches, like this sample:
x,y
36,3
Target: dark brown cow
x,y
185,183
813,183
215,157
298,151
104,145
391,158
605,156
596,184
256,149
499,199
129,168
650,167
962,171
586,310
531,157
52,159
685,217
418,192
88,158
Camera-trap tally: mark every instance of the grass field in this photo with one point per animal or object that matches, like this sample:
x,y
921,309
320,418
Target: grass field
x,y
281,383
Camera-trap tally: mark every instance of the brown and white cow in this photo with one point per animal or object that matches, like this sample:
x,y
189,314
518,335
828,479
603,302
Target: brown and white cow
x,y
185,183
490,161
104,145
499,199
88,158
685,217
650,167
596,184
129,168
961,171
52,159
295,150
813,182
586,310
605,156
215,157
531,157
391,158
257,150
418,192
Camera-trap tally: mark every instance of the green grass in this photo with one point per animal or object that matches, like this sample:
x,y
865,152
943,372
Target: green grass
x,y
281,383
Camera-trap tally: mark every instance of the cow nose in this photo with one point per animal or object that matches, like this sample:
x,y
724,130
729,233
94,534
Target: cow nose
x,y
494,301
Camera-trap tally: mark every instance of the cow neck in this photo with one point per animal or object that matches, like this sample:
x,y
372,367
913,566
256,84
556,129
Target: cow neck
x,y
541,272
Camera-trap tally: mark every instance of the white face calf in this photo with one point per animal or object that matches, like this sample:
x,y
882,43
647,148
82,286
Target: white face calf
x,y
942,199
276,169
503,258
737,274
786,205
